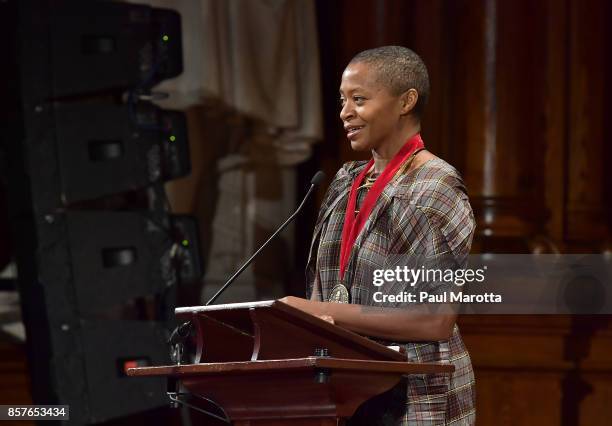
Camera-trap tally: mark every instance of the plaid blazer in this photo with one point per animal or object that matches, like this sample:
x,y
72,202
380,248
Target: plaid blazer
x,y
424,212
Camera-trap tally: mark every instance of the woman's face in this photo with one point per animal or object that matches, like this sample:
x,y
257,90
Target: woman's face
x,y
370,113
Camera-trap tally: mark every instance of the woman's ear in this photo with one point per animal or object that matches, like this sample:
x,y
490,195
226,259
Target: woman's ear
x,y
408,101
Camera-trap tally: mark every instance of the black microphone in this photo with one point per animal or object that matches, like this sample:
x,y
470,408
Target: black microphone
x,y
181,332
317,179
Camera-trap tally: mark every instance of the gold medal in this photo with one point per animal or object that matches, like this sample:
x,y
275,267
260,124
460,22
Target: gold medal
x,y
339,294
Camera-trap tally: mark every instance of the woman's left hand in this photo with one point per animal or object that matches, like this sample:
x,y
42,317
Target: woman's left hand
x,y
299,303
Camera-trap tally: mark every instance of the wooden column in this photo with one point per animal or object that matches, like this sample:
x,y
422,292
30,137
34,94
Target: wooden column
x,y
499,119
585,211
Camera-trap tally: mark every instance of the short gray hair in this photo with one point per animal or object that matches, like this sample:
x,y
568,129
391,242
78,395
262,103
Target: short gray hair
x,y
400,69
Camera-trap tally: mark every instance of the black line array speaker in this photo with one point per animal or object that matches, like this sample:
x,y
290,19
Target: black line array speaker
x,y
99,253
110,148
124,45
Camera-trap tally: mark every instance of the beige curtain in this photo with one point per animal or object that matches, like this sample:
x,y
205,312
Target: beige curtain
x,y
251,89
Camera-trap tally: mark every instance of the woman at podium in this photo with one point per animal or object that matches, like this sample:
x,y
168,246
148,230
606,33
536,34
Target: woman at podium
x,y
377,217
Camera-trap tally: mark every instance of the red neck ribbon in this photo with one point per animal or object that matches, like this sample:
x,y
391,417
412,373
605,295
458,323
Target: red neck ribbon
x,y
353,224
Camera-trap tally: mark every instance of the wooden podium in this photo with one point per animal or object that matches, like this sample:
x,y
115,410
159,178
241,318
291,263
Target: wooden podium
x,y
257,361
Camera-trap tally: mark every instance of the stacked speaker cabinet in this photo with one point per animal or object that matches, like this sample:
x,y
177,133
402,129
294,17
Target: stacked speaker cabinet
x,y
86,154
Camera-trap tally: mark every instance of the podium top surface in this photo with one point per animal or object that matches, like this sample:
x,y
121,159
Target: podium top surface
x,y
224,306
288,365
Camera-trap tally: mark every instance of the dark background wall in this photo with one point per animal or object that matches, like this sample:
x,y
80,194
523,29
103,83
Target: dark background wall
x,y
517,105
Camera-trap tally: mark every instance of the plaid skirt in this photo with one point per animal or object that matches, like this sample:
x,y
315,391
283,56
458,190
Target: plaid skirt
x,y
426,399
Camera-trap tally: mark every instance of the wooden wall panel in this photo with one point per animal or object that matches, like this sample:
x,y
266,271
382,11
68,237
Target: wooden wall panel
x,y
598,399
520,68
426,25
510,398
585,184
469,104
550,370
556,123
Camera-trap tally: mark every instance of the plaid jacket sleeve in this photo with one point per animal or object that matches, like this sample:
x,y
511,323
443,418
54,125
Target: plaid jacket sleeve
x,y
439,221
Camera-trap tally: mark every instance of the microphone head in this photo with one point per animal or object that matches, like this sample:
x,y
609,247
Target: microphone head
x,y
317,178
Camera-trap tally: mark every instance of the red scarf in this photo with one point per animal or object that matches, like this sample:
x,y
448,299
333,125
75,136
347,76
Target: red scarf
x,y
353,224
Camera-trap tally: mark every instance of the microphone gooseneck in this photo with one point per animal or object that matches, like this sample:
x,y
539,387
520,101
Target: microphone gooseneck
x,y
182,331
315,181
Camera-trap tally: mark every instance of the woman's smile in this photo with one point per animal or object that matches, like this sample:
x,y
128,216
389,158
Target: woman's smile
x,y
352,131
